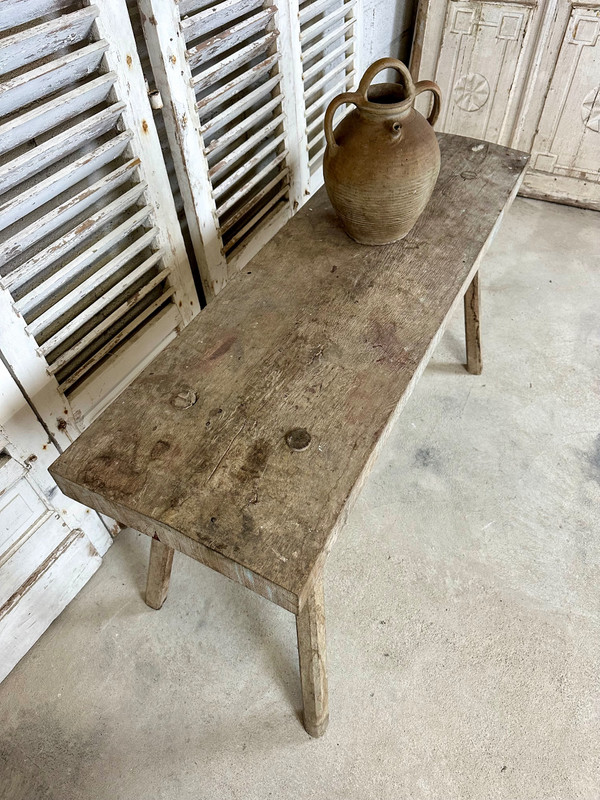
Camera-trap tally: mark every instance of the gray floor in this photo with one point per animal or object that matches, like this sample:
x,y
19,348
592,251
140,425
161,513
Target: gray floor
x,y
463,599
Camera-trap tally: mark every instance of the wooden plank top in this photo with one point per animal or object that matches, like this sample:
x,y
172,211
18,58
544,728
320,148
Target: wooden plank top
x,y
319,333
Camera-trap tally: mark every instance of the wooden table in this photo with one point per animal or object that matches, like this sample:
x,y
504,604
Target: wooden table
x,y
321,337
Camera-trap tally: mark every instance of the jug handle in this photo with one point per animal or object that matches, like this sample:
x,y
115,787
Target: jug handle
x,y
377,67
346,97
430,86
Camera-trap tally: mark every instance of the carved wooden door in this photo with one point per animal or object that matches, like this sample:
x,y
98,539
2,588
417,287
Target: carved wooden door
x,y
525,74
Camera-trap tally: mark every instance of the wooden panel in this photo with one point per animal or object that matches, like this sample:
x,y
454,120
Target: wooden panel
x,y
565,160
37,602
323,334
480,67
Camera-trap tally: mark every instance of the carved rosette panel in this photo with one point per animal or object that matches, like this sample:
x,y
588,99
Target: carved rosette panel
x,y
478,63
471,92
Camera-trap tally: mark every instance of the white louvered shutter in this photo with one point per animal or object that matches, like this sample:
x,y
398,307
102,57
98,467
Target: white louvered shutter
x,y
245,84
329,54
94,277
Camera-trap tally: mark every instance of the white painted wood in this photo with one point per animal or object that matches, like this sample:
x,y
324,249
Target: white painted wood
x,y
71,270
63,144
565,152
88,286
58,252
61,173
131,326
215,16
64,212
523,74
109,380
232,37
62,180
35,521
18,12
114,26
256,179
42,40
51,76
226,139
233,87
168,57
44,117
27,614
231,63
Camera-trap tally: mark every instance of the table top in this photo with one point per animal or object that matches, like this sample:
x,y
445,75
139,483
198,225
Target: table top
x,y
318,333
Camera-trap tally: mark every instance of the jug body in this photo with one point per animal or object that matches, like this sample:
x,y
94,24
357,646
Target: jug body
x,y
382,161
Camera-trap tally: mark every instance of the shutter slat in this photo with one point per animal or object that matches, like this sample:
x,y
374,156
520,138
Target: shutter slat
x,y
69,271
43,118
319,46
106,323
17,244
327,78
319,102
228,138
29,87
96,307
46,153
241,105
18,12
316,159
229,90
215,17
246,145
42,40
233,62
254,201
62,180
249,185
312,9
327,59
264,210
308,34
247,166
115,341
62,306
85,230
227,40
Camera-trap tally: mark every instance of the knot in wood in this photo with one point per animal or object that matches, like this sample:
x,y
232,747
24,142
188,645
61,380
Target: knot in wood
x,y
297,439
184,399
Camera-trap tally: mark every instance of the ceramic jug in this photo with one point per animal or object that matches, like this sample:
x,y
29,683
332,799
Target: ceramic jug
x,y
382,161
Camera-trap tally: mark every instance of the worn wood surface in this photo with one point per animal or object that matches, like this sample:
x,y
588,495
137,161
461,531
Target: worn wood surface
x,y
319,333
472,326
159,573
312,652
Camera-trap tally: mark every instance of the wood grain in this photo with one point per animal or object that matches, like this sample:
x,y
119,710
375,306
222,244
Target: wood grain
x,y
159,574
472,328
310,628
319,333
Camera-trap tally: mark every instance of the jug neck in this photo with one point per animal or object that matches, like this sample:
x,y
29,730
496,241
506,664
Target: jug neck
x,y
386,101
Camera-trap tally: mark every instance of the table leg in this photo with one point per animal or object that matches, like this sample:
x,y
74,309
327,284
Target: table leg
x,y
472,331
310,627
159,573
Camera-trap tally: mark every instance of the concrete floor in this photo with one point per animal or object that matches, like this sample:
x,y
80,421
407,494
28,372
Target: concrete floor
x,y
463,599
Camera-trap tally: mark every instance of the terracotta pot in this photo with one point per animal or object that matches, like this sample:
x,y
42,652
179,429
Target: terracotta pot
x,y
383,159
